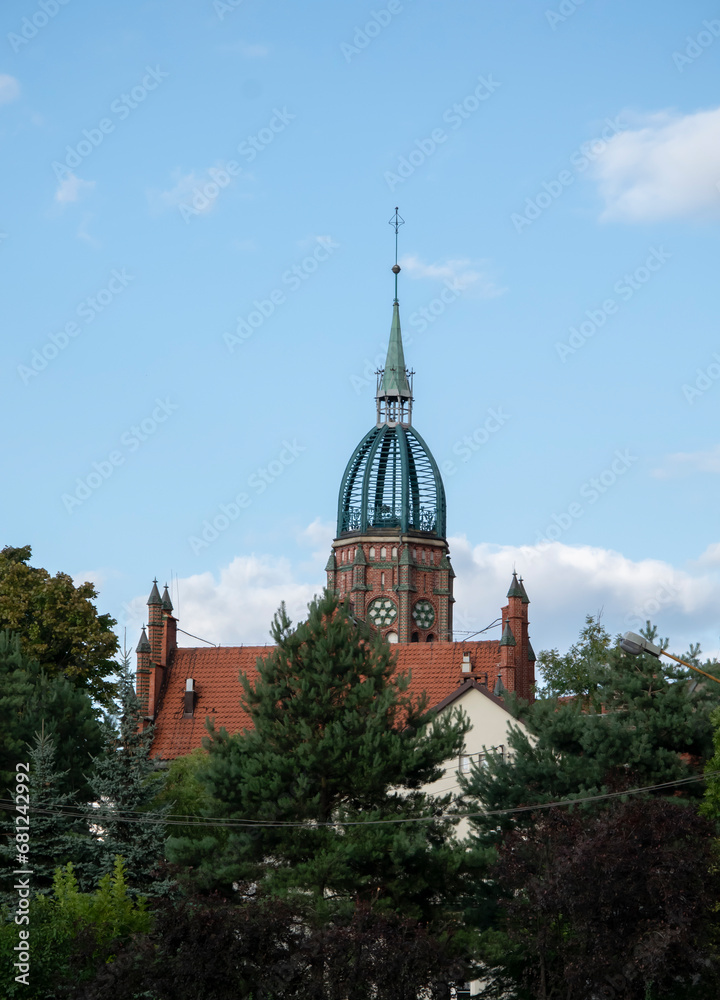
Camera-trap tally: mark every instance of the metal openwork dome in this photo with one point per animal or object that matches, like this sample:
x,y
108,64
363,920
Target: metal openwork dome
x,y
392,481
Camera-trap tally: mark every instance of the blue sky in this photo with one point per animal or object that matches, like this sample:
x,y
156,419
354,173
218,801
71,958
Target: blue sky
x,y
196,290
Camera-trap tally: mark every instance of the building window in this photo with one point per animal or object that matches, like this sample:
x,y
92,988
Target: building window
x,y
383,553
382,581
430,638
392,637
465,763
372,551
394,553
422,555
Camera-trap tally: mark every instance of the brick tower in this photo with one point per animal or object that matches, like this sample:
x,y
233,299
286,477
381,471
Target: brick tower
x,y
391,554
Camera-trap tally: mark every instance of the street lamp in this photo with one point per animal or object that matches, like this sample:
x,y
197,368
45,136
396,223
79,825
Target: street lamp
x,y
635,644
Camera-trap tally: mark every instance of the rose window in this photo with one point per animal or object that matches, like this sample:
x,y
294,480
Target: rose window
x,y
382,612
423,614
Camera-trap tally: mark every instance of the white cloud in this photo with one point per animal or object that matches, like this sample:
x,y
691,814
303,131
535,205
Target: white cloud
x,y
71,188
564,583
461,274
181,192
669,167
684,463
195,189
710,557
9,88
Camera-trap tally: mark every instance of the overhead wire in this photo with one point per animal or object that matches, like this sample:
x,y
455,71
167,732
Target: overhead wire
x,y
134,816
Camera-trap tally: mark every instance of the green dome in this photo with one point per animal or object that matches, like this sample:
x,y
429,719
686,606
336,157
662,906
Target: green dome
x,y
392,481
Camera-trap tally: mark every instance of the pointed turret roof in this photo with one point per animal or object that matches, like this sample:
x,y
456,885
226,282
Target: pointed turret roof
x,y
525,598
500,688
359,559
331,564
154,597
531,653
166,602
508,639
516,589
395,381
143,646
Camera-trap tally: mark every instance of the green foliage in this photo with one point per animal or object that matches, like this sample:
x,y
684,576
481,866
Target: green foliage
x,y
640,723
711,803
32,699
126,781
55,839
575,672
69,931
336,738
58,623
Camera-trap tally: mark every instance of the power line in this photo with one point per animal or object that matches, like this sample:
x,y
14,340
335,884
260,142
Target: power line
x,y
133,816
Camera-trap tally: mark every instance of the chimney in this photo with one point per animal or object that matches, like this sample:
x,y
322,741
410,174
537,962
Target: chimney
x,y
190,698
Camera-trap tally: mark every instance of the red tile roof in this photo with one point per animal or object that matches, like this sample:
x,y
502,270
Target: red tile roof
x,y
436,667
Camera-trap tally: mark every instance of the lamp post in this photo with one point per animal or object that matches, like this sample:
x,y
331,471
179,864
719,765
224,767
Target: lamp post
x,y
635,644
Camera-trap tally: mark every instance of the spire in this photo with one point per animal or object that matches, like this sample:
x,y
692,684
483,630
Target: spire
x,y
508,639
154,597
394,391
166,602
525,598
143,646
516,590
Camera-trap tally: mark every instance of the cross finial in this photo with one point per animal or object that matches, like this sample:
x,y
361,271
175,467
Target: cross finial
x,y
396,221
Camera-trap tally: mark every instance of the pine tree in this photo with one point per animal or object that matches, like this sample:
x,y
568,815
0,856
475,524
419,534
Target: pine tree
x,y
125,782
58,834
336,738
30,699
643,722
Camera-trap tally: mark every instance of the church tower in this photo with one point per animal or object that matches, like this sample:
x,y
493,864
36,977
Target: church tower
x,y
391,554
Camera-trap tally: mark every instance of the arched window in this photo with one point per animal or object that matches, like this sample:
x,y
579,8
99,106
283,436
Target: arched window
x,y
372,551
394,553
414,637
383,553
382,581
430,638
392,637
